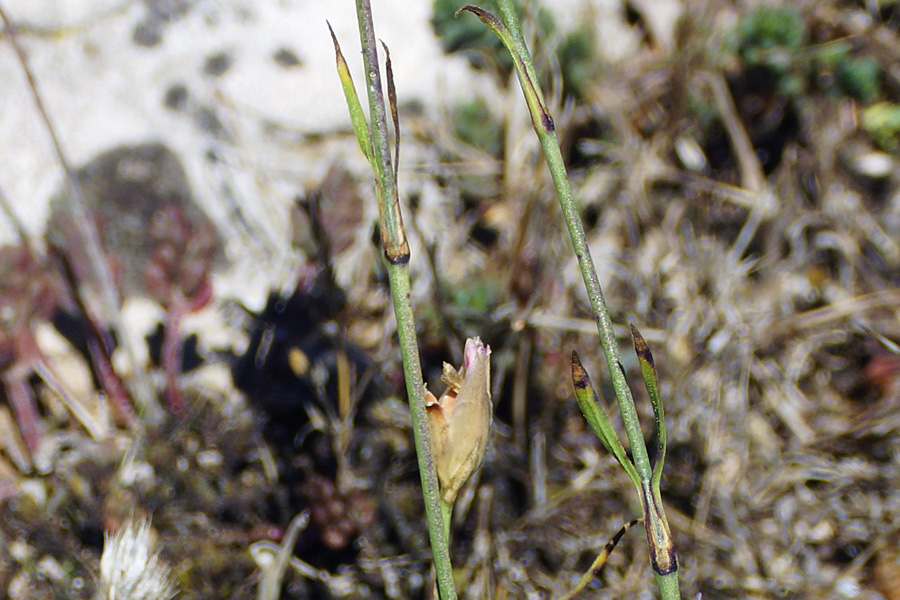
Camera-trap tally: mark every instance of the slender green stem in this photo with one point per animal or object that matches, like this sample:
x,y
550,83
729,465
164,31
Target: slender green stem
x,y
435,509
447,511
668,586
546,133
396,251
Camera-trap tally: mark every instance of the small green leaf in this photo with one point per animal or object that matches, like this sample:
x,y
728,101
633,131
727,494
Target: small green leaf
x,y
357,115
596,416
651,380
479,45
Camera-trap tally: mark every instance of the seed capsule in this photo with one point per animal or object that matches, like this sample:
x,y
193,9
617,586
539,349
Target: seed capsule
x,y
460,419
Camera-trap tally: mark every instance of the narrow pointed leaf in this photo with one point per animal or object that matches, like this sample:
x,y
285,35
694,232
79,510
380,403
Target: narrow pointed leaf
x,y
78,410
357,115
492,22
651,380
392,102
540,116
599,562
596,416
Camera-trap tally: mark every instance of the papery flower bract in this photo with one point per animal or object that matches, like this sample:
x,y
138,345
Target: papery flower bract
x,y
130,566
460,420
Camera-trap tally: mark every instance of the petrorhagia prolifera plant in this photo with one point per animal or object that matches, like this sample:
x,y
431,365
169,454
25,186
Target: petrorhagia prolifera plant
x,y
373,139
646,478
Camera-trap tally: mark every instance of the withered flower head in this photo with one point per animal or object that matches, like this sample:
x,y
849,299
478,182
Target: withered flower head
x,y
130,566
460,419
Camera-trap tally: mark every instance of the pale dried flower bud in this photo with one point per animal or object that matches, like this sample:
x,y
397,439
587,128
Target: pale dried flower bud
x,y
130,566
460,420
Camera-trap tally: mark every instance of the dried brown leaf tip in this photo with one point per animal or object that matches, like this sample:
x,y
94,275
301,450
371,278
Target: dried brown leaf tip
x,y
579,376
460,419
640,346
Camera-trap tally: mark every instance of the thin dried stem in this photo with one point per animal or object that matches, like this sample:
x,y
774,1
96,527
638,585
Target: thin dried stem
x,y
90,238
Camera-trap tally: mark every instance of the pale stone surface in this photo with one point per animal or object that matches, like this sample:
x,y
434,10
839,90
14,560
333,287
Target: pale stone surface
x,y
102,89
201,76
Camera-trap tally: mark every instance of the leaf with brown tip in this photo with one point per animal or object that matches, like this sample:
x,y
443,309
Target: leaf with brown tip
x,y
357,115
596,416
651,380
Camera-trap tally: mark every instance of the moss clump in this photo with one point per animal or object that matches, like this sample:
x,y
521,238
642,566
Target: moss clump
x,y
882,122
859,78
474,124
770,36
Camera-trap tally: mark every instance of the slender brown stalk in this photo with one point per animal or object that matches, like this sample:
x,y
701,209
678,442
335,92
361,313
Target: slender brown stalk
x,y
90,238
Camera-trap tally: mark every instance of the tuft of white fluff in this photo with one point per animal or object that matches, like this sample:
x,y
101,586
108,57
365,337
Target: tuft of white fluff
x,y
130,566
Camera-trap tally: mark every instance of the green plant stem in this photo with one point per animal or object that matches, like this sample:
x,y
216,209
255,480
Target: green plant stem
x,y
447,511
546,133
391,225
396,250
668,586
435,510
